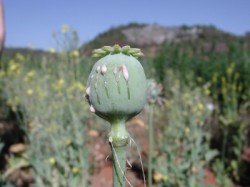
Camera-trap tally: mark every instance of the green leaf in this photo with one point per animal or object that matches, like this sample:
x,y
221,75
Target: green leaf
x,y
210,155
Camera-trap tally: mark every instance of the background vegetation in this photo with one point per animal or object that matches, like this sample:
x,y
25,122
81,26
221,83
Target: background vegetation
x,y
201,121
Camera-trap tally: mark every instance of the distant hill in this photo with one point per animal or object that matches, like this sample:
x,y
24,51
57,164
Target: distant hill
x,y
150,37
10,52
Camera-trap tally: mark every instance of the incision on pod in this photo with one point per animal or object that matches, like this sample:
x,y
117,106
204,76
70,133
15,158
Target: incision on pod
x,y
115,71
92,109
103,69
98,69
88,91
125,72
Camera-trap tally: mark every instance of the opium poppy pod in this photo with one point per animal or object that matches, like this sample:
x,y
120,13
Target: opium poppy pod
x,y
116,91
117,86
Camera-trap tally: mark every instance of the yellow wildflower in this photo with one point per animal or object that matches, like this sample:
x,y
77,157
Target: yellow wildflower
x,y
207,92
64,28
165,178
76,86
30,92
230,68
19,57
29,76
14,68
200,106
194,169
75,53
158,177
30,125
31,73
51,50
68,142
187,130
75,170
59,84
52,161
80,86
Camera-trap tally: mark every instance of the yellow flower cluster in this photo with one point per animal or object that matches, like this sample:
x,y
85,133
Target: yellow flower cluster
x,y
14,68
52,161
58,85
187,130
207,89
158,177
29,76
230,69
19,57
74,53
76,86
75,170
29,92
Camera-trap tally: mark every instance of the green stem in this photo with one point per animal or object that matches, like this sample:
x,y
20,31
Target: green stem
x,y
118,140
151,144
224,142
119,166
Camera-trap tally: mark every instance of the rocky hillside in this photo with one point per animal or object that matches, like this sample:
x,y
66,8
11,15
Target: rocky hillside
x,y
150,37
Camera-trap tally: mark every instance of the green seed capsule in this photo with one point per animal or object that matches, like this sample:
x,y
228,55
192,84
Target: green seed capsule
x,y
117,85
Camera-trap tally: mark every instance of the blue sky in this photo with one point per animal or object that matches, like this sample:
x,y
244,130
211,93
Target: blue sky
x,y
31,22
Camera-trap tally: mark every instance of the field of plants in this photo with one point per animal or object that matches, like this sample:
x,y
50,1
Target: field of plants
x,y
193,131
